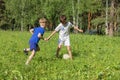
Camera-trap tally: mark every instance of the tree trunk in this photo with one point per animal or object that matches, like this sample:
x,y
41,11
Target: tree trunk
x,y
112,12
74,19
73,9
89,20
106,22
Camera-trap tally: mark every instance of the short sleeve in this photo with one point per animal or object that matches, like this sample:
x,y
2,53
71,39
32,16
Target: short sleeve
x,y
70,24
42,32
58,27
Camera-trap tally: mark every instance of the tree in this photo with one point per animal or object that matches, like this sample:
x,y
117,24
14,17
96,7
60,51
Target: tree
x,y
2,9
84,13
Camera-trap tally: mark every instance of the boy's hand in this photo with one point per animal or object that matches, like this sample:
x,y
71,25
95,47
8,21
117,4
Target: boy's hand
x,y
81,30
76,28
46,39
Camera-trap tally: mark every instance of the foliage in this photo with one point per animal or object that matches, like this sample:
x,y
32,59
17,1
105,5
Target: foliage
x,y
98,21
95,58
26,12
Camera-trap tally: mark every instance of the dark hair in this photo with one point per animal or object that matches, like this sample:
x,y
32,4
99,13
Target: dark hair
x,y
62,18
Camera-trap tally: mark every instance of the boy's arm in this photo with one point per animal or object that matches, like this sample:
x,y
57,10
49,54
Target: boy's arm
x,y
76,28
31,31
40,36
51,34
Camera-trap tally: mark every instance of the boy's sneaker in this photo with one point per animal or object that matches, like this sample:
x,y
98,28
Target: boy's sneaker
x,y
25,52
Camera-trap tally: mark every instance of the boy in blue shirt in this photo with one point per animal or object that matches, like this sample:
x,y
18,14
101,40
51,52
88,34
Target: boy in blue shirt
x,y
37,34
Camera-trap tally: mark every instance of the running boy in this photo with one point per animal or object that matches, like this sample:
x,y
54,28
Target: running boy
x,y
37,34
64,30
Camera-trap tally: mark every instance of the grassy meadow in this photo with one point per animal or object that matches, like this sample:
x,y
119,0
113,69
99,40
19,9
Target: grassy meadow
x,y
94,58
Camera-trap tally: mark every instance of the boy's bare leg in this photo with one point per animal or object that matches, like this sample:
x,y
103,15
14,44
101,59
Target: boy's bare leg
x,y
69,51
30,57
58,49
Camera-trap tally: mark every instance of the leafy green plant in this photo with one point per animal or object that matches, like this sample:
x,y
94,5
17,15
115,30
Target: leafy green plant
x,y
94,58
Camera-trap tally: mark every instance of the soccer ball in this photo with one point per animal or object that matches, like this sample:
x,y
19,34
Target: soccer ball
x,y
66,56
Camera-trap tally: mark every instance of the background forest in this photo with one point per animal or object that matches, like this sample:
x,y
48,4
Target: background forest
x,y
99,16
94,57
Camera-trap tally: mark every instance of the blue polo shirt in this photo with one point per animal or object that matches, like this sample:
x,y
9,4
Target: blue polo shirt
x,y
34,38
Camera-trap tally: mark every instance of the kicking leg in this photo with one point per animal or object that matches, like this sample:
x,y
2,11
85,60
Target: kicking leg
x,y
30,57
69,51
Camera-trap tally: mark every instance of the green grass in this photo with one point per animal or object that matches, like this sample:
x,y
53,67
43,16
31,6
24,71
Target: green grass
x,y
95,58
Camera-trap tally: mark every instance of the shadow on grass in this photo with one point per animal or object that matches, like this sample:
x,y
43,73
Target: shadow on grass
x,y
75,54
44,59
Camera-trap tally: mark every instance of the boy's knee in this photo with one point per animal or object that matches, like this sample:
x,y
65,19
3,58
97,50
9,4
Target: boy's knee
x,y
59,46
68,48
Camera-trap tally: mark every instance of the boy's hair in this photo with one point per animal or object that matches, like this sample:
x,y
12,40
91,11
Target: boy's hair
x,y
42,20
63,18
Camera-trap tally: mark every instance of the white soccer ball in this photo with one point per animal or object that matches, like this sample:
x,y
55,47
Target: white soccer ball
x,y
66,56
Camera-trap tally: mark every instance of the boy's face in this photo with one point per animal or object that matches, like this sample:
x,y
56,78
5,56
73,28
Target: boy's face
x,y
43,23
64,22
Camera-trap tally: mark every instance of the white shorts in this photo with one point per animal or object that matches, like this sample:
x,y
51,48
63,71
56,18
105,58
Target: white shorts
x,y
66,42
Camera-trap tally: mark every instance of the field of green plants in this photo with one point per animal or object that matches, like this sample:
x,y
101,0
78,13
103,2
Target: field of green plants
x,y
94,58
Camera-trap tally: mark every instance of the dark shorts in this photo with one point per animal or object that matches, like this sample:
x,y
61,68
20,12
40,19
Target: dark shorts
x,y
33,46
